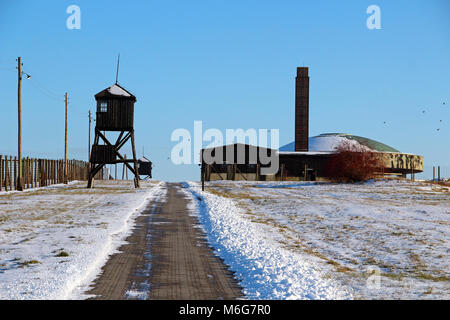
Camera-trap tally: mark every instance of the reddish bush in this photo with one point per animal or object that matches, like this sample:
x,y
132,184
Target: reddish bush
x,y
352,163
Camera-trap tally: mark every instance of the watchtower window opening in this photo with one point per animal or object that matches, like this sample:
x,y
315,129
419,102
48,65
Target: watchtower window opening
x,y
103,106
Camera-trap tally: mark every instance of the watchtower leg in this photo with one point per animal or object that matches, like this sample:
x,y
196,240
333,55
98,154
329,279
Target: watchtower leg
x,y
90,181
136,172
92,173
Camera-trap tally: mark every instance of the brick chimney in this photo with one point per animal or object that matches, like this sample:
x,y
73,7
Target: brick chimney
x,y
301,109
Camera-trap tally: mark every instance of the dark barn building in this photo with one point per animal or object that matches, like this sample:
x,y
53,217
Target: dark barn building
x,y
302,166
236,162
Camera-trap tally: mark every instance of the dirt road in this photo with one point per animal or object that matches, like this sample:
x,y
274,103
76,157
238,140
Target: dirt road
x,y
166,257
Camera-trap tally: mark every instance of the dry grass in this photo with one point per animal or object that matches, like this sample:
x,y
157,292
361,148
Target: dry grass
x,y
28,263
234,195
398,266
62,254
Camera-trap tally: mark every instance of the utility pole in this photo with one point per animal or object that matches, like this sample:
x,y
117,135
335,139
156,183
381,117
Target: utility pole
x,y
19,107
203,177
89,145
65,144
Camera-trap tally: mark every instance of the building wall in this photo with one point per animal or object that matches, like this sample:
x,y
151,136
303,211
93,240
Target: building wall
x,y
402,162
119,115
292,167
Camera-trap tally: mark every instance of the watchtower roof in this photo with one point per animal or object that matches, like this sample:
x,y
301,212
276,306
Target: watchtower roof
x,y
115,91
144,159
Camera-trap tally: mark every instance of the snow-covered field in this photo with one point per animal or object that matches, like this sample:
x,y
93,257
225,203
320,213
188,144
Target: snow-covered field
x,y
54,240
290,240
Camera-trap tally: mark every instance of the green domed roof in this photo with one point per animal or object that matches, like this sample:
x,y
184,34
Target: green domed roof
x,y
328,142
372,144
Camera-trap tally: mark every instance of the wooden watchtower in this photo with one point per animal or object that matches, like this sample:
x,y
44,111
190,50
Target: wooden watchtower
x,y
145,168
115,113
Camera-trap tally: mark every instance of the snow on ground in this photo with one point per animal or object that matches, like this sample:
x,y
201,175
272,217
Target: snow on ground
x,y
377,240
54,240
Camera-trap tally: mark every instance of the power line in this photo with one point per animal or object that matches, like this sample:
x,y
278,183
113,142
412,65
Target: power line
x,y
43,91
37,84
41,85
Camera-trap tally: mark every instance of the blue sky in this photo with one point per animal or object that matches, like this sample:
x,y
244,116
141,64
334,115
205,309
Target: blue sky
x,y
231,64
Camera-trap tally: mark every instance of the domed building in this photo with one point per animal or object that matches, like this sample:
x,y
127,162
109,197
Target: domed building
x,y
329,142
306,158
322,147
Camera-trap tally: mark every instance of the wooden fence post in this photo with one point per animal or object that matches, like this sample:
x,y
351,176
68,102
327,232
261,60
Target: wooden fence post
x,y
16,176
40,172
27,161
23,177
41,183
11,175
1,173
43,172
35,173
27,176
30,173
6,173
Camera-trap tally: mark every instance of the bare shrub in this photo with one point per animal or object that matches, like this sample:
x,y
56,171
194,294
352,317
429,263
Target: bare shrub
x,y
353,162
